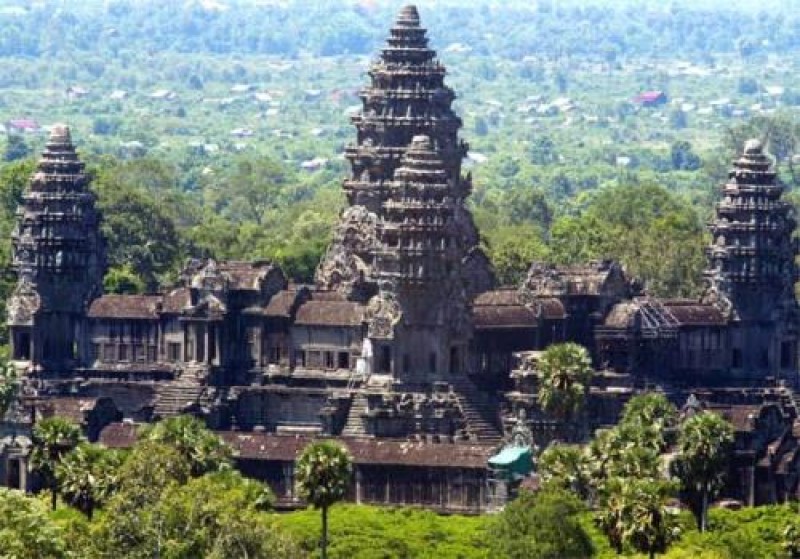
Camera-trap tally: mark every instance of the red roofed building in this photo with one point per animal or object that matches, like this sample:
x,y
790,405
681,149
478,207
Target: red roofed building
x,y
650,98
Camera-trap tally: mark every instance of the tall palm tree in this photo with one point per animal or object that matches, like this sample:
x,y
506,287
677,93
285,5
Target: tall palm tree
x,y
650,527
703,444
633,512
323,474
566,466
203,450
565,372
52,438
87,476
653,416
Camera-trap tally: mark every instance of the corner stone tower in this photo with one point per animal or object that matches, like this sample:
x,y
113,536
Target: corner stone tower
x,y
59,258
407,98
752,272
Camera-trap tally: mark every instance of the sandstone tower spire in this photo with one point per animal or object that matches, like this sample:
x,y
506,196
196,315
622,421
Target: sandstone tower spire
x,y
751,273
58,255
406,98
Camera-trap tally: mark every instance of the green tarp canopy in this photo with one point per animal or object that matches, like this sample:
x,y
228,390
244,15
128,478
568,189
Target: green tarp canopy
x,y
517,460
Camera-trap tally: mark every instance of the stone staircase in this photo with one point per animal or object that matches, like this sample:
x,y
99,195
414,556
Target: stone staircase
x,y
175,397
354,426
480,412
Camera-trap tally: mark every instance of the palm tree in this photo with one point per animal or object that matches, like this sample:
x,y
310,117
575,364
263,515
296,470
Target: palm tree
x,y
323,475
52,438
652,415
87,476
567,467
650,527
633,512
703,443
610,518
203,450
565,371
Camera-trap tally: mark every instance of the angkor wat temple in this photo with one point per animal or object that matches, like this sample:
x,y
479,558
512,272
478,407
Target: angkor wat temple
x,y
405,349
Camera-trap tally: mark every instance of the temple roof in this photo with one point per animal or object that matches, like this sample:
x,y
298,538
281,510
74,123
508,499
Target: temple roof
x,y
504,308
695,314
330,313
593,278
283,302
126,307
286,448
506,316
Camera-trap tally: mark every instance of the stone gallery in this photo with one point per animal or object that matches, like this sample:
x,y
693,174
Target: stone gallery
x,y
404,349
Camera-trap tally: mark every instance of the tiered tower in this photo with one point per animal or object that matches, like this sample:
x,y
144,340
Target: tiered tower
x,y
419,268
751,271
407,97
59,258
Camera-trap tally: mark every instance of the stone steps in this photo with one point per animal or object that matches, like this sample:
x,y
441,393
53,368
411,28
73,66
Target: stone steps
x,y
354,426
174,398
480,412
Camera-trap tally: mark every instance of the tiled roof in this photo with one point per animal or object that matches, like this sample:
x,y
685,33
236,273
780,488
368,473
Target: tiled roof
x,y
498,297
695,314
503,308
176,300
551,308
118,435
286,448
622,315
126,306
330,313
506,316
281,303
244,275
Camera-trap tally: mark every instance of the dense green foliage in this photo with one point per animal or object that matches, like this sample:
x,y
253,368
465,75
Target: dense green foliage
x,y
544,525
25,530
363,532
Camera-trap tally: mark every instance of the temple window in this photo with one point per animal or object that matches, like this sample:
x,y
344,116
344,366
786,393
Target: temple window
x,y
787,355
455,360
314,359
94,352
22,346
123,352
385,364
108,353
736,358
344,360
328,355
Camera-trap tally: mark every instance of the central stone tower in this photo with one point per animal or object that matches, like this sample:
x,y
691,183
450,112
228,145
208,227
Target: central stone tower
x,y
407,98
